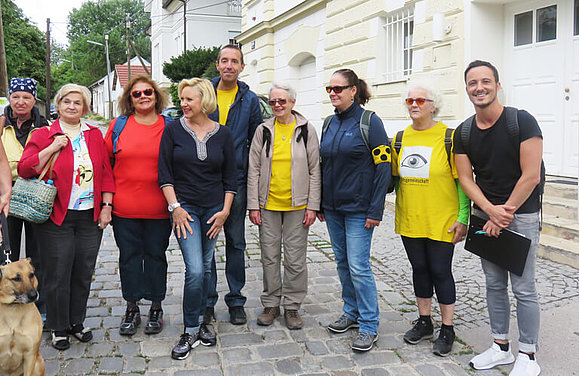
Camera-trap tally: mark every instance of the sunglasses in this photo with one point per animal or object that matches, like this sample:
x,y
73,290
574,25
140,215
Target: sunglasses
x,y
147,92
282,102
419,101
337,89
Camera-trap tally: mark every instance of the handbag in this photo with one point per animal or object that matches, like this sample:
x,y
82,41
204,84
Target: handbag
x,y
33,199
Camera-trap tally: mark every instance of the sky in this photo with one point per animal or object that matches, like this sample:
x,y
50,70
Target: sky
x,y
57,10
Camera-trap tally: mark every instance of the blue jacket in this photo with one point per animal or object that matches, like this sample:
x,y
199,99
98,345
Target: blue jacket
x,y
351,180
243,119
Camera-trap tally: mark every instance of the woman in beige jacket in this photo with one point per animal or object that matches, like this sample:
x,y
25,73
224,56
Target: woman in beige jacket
x,y
283,195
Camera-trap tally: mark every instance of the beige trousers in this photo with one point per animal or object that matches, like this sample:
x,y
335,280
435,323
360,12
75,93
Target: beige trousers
x,y
283,227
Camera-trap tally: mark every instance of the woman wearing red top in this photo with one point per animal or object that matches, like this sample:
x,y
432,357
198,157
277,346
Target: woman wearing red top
x,y
69,241
140,216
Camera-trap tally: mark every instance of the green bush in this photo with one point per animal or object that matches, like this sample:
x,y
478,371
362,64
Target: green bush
x,y
193,63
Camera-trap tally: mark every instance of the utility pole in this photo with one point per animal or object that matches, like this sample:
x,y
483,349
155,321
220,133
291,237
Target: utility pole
x,y
109,76
128,46
47,104
3,69
184,25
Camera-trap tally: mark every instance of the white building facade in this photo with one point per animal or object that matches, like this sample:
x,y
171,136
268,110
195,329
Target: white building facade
x,y
391,43
180,24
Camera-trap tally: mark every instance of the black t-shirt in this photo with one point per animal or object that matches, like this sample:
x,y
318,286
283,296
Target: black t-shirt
x,y
496,158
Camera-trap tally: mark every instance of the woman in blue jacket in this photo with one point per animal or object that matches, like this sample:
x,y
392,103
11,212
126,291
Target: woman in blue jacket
x,y
356,173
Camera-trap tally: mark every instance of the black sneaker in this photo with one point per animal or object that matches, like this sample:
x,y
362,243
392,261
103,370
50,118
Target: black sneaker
x,y
207,335
131,321
237,315
422,330
184,346
155,321
209,315
443,344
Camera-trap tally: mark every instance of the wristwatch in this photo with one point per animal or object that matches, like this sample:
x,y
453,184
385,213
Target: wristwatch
x,y
173,207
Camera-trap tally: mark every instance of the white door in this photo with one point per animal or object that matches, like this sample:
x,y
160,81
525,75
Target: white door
x,y
303,79
542,75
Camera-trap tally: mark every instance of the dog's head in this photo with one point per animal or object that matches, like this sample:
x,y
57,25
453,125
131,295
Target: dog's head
x,y
18,284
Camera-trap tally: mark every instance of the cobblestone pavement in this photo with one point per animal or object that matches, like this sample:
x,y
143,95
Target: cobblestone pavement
x,y
254,350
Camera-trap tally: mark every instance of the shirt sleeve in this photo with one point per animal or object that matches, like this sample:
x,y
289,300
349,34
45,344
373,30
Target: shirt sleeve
x,y
166,157
382,158
528,126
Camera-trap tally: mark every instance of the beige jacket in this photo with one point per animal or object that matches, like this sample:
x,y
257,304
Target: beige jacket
x,y
305,165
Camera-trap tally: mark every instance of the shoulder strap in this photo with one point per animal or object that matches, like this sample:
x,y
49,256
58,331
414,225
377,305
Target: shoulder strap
x,y
303,135
118,128
327,122
266,135
513,125
365,127
448,144
465,134
398,141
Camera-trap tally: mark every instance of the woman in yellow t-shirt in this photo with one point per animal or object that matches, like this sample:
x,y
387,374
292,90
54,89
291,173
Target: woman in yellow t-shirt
x,y
431,214
283,195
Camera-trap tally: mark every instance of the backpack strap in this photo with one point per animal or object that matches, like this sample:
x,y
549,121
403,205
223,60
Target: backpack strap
x,y
303,135
365,127
512,118
326,124
118,128
448,144
465,134
398,141
266,140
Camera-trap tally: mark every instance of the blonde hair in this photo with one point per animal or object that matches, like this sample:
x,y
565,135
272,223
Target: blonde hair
x,y
73,88
206,92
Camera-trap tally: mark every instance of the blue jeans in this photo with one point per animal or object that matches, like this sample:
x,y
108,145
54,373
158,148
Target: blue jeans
x,y
351,242
197,250
234,229
524,289
142,245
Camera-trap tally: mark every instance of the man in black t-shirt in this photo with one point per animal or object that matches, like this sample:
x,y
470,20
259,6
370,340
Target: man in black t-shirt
x,y
506,193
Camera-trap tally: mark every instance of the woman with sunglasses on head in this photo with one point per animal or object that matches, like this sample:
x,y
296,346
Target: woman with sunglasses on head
x,y
197,174
283,195
355,178
140,216
431,212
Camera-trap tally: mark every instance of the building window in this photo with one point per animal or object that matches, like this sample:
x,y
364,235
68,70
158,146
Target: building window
x,y
399,28
524,28
547,23
234,8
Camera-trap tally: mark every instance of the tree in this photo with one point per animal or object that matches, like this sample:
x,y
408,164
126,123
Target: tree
x,y
199,62
25,46
95,19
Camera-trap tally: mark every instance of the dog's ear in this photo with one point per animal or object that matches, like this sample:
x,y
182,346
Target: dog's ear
x,y
28,259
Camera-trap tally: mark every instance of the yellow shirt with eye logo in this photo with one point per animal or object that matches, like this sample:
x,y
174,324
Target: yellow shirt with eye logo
x,y
427,198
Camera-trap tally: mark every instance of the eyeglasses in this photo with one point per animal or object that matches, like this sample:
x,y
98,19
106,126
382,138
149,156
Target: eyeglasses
x,y
337,89
147,92
419,101
282,102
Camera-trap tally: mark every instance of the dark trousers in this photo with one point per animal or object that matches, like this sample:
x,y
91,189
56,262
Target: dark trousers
x,y
142,259
15,226
234,229
68,255
431,267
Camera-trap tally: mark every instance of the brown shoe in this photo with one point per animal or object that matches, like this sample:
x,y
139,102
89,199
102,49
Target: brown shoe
x,y
292,319
266,317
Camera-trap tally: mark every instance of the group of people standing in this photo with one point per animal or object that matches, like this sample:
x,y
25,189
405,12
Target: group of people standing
x,y
199,175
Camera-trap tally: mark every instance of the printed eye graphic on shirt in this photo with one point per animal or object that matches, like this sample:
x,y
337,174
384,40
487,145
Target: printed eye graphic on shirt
x,y
415,162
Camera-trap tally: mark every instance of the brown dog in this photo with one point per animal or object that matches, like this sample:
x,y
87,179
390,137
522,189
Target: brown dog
x,y
20,321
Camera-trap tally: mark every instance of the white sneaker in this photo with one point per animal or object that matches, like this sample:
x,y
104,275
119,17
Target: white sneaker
x,y
524,366
494,356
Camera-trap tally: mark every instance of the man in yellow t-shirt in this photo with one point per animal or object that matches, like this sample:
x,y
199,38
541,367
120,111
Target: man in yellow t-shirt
x,y
238,109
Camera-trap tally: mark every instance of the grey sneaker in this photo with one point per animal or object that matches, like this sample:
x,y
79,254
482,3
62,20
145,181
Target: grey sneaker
x,y
343,324
364,341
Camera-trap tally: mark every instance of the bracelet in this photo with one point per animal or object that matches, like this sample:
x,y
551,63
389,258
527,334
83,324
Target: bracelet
x,y
106,204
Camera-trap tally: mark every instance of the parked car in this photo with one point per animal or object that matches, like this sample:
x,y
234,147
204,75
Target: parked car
x,y
266,111
172,113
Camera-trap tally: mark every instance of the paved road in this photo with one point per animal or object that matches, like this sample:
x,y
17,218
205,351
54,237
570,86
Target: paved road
x,y
254,350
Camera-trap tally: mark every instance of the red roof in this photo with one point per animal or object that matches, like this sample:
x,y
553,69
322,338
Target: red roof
x,y
122,72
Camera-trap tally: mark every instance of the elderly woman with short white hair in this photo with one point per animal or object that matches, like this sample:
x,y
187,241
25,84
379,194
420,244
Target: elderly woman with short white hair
x,y
431,212
69,241
283,195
